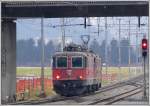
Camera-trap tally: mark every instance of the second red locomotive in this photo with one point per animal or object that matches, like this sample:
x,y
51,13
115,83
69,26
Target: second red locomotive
x,y
76,71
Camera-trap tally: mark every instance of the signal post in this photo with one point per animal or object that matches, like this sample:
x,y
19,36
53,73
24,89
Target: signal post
x,y
144,55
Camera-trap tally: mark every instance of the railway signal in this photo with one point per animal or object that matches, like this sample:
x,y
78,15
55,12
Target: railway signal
x,y
144,46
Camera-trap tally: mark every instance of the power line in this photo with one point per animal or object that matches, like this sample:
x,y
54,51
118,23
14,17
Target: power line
x,y
54,26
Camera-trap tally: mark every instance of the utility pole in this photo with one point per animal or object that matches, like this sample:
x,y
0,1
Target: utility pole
x,y
129,57
144,93
137,52
106,43
63,33
119,52
42,58
138,45
148,66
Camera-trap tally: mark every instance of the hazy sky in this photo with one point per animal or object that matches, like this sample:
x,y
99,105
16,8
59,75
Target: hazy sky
x,y
31,28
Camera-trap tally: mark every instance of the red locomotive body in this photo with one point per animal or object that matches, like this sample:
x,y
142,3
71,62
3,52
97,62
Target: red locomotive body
x,y
76,72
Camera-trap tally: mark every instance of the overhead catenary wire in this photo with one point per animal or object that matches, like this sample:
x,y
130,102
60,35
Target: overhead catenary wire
x,y
71,25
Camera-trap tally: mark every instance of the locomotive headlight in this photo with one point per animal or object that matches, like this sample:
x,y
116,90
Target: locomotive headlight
x,y
81,77
57,77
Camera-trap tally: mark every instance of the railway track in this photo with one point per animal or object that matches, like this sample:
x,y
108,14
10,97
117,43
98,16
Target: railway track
x,y
131,82
57,98
112,99
119,84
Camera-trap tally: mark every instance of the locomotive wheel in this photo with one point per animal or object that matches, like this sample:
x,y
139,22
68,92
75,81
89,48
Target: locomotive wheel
x,y
84,90
88,89
92,88
99,85
67,95
95,87
62,94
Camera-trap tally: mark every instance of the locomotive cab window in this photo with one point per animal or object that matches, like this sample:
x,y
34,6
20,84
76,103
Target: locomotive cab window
x,y
77,62
62,62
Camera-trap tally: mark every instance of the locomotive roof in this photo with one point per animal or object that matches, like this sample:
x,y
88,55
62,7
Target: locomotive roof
x,y
77,50
75,53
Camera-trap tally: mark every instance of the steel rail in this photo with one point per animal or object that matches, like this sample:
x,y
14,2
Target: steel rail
x,y
122,96
103,89
112,99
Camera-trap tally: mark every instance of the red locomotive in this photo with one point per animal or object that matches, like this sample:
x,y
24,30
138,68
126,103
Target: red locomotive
x,y
76,71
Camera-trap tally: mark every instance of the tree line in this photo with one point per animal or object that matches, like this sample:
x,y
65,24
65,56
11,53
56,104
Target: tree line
x,y
29,54
113,52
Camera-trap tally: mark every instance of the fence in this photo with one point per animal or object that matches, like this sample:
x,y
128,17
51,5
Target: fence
x,y
29,87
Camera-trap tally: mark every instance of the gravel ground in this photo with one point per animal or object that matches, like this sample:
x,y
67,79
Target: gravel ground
x,y
88,99
133,100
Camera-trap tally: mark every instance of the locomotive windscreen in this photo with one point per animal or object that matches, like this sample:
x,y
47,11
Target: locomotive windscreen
x,y
61,61
77,62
